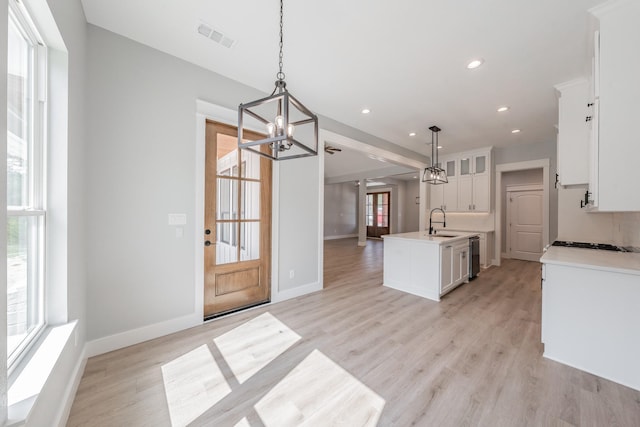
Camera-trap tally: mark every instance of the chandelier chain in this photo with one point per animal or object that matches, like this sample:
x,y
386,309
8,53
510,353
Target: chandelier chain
x,y
280,74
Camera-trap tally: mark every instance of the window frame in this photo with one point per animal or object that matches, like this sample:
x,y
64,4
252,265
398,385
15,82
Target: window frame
x,y
35,206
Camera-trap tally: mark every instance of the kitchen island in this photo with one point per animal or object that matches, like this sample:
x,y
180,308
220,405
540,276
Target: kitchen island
x,y
426,265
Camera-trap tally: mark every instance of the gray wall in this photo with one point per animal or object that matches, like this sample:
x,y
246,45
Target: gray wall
x,y
542,150
141,107
531,176
411,209
340,209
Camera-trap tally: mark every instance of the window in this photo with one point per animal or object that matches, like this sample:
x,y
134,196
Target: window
x,y
26,59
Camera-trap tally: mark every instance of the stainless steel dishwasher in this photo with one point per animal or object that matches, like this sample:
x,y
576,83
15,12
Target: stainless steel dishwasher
x,y
474,256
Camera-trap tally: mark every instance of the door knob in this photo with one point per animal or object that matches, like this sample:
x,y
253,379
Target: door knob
x,y
207,243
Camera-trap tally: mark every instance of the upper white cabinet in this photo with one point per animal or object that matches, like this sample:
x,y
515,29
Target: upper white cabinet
x,y
474,182
468,189
617,108
445,196
574,126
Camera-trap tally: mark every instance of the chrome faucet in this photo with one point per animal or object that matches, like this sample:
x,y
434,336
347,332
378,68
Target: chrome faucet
x,y
443,222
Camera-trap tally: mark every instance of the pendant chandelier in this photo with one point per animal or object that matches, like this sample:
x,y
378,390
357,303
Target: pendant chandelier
x,y
434,174
279,117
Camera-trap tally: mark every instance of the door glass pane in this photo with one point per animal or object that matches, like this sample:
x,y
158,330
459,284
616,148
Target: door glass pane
x,y
250,208
249,241
227,154
451,168
250,164
23,278
465,166
19,116
480,164
226,246
227,203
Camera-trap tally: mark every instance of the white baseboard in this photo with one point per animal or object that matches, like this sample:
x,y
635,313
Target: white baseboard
x,y
145,333
505,255
362,243
296,292
342,236
70,391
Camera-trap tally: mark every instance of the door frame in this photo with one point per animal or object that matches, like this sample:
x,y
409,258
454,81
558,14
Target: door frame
x,y
372,192
208,111
515,189
510,167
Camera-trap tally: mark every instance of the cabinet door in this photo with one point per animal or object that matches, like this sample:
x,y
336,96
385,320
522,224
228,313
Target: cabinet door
x,y
464,264
446,265
465,166
480,193
480,164
573,132
450,168
465,193
450,195
436,197
457,265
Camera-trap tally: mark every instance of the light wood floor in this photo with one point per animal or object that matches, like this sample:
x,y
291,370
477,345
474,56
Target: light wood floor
x,y
360,354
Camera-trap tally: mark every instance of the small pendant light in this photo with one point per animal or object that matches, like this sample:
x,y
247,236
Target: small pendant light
x,y
279,116
434,174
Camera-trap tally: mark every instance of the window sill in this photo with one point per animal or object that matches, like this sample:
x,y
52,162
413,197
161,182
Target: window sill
x,y
34,371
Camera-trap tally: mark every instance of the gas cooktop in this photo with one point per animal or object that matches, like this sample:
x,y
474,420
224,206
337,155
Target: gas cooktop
x,y
601,246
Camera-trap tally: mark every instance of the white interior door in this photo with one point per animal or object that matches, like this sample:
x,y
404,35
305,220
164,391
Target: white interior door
x,y
525,224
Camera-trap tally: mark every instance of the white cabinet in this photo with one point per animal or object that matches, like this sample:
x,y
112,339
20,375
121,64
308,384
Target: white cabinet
x,y
454,267
617,92
446,267
474,183
445,196
469,186
574,132
590,318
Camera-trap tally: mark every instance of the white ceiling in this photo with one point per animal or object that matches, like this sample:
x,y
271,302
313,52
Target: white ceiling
x,y
405,60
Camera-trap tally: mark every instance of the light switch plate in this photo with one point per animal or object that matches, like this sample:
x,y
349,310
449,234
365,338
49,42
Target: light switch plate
x,y
177,219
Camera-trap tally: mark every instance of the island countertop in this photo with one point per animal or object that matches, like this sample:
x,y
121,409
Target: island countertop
x,y
439,238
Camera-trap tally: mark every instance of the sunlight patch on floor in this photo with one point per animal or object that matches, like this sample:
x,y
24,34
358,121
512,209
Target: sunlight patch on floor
x,y
253,345
318,392
193,383
243,423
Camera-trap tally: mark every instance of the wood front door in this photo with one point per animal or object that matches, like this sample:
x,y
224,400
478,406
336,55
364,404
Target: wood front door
x,y
525,224
378,206
237,234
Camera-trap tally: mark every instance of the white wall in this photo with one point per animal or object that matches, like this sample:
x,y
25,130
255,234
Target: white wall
x,y
340,209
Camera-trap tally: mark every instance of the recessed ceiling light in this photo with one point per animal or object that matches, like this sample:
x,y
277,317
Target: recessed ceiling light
x,y
412,134
475,63
515,131
415,177
366,111
439,147
503,109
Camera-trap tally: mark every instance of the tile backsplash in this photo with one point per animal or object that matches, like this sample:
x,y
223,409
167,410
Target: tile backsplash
x,y
626,228
574,223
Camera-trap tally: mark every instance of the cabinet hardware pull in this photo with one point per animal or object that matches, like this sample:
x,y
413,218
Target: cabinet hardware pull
x,y
469,207
588,118
207,231
207,243
590,104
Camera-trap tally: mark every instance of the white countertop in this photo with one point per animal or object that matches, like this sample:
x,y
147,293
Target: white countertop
x,y
619,262
425,237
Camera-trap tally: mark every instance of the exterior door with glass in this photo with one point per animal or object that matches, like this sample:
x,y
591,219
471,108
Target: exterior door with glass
x,y
237,234
378,206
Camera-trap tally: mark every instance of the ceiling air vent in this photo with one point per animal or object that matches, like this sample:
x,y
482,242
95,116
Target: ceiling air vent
x,y
212,34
